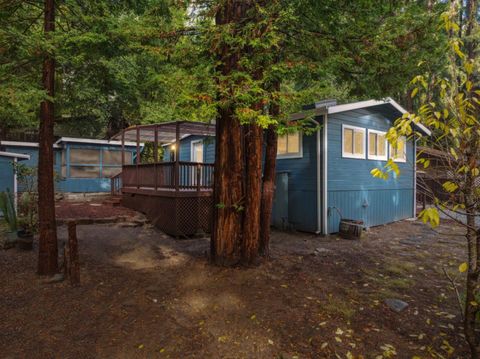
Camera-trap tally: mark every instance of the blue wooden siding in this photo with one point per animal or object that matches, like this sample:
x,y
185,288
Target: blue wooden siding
x,y
6,173
302,172
67,183
352,190
186,148
302,186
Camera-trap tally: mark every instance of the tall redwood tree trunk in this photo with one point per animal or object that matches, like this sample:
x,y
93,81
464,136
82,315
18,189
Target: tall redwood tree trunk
x,y
228,191
226,241
48,251
253,192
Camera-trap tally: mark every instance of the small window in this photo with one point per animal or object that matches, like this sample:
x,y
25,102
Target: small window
x,y
399,152
377,145
84,156
84,172
290,145
113,157
353,142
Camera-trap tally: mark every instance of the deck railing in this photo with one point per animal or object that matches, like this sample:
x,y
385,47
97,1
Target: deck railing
x,y
163,175
116,184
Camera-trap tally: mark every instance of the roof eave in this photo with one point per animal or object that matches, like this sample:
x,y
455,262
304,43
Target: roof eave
x,y
20,156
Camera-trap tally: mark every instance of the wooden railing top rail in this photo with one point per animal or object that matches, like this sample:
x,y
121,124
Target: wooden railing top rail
x,y
170,163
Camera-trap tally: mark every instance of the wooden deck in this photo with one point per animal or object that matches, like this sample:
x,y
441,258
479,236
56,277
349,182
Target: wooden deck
x,y
175,196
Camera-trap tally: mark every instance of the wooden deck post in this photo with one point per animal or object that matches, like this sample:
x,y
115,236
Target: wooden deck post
x,y
198,176
177,175
177,156
138,157
123,148
73,269
155,157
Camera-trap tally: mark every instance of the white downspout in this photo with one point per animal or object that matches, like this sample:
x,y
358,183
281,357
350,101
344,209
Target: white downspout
x,y
325,174
414,179
319,185
15,185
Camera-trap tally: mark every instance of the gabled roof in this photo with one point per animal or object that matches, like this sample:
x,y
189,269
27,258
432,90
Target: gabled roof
x,y
94,141
330,107
19,156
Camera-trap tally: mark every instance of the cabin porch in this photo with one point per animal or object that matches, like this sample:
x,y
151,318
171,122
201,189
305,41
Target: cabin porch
x,y
176,196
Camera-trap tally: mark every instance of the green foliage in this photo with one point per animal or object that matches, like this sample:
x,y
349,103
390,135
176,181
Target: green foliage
x,y
118,63
7,206
28,211
121,63
383,173
430,215
448,105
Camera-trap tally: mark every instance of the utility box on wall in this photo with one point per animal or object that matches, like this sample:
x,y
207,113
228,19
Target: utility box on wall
x,y
280,202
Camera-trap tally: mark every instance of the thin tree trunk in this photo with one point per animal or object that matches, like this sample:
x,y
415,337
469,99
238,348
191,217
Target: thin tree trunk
x,y
268,191
471,19
48,251
472,292
253,185
471,285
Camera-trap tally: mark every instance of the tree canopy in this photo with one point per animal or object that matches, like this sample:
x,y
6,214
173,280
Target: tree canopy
x,y
123,62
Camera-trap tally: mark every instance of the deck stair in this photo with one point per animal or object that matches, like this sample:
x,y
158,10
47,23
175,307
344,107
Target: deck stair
x,y
113,201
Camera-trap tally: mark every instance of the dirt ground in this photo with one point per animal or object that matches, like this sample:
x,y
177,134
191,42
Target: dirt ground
x,y
93,209
145,295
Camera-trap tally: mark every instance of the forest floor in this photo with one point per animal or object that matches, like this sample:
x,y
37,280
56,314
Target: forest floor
x,y
146,295
91,210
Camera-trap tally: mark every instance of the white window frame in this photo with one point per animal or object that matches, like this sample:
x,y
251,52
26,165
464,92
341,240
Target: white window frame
x,y
375,157
298,154
391,150
350,155
192,143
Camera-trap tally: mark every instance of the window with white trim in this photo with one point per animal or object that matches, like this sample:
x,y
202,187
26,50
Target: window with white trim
x,y
399,152
353,142
290,145
377,145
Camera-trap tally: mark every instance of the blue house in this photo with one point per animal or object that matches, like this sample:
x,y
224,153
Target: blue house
x,y
82,165
324,177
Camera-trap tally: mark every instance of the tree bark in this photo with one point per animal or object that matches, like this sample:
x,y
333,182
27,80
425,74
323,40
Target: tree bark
x,y
473,240
253,185
269,170
237,182
228,191
268,191
48,251
471,19
471,285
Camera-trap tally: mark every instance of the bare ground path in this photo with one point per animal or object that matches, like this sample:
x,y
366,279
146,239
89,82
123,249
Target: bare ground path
x,y
145,295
